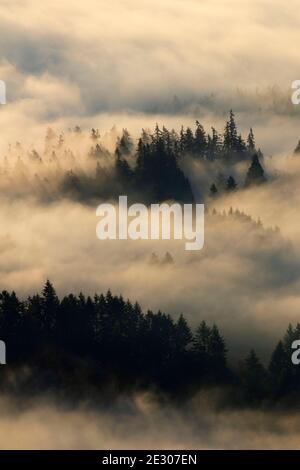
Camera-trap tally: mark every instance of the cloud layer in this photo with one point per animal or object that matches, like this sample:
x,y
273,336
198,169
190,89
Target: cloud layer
x,y
69,62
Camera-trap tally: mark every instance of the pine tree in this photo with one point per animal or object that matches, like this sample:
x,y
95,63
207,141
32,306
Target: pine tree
x,y
255,174
231,184
280,370
201,339
124,144
213,190
200,141
254,378
49,308
230,142
95,135
189,141
123,171
251,142
183,334
217,349
241,148
232,129
214,146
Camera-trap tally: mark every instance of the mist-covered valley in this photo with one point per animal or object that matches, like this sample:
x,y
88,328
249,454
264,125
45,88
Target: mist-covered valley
x,y
140,343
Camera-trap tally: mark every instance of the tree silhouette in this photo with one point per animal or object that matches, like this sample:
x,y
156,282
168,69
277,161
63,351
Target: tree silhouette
x,y
251,142
231,184
297,149
255,174
254,378
79,344
213,190
49,308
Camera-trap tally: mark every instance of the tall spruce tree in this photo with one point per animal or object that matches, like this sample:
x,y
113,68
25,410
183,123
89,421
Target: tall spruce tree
x,y
200,141
254,379
255,174
251,142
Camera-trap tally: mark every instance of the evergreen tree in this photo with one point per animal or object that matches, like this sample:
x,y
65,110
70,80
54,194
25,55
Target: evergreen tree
x,y
297,149
254,378
189,141
95,135
214,146
217,350
124,174
231,184
49,308
213,190
183,334
11,323
124,144
200,141
255,174
158,176
280,371
201,339
241,148
230,143
251,142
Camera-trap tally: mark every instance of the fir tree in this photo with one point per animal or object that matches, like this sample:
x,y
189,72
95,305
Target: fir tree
x,y
200,141
213,190
254,378
280,370
231,184
49,308
124,144
214,146
255,174
251,142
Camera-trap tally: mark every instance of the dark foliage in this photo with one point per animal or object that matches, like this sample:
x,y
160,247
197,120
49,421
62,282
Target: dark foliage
x,y
152,170
255,174
79,344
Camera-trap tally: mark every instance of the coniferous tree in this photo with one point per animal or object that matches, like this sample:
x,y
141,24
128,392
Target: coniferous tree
x,y
241,149
124,144
251,143
189,141
217,348
231,184
107,338
297,149
213,190
280,371
214,146
230,142
183,334
158,176
49,308
254,378
200,141
255,174
201,339
124,174
95,135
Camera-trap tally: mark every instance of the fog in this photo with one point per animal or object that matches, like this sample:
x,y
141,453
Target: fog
x,y
141,423
246,278
132,64
98,64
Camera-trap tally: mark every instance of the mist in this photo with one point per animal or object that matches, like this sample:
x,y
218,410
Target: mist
x,y
140,422
134,64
